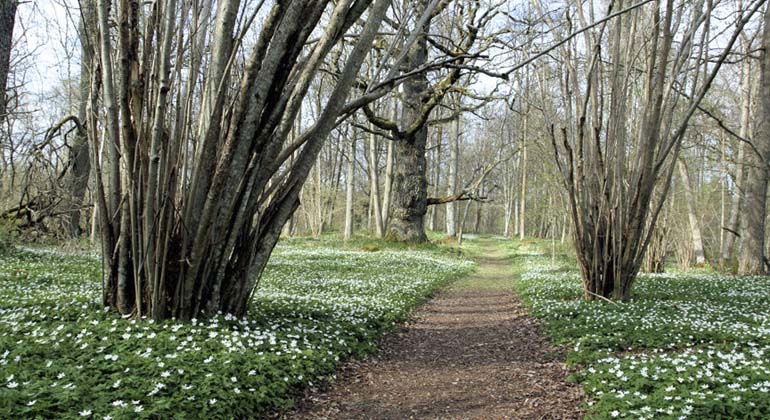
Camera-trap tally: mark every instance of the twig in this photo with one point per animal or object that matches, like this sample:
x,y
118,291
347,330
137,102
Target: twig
x,y
602,297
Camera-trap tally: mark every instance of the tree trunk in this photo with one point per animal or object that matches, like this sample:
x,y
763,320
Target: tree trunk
x,y
241,201
507,218
477,219
736,202
451,189
410,186
387,193
695,233
7,21
374,186
515,218
463,218
564,229
410,191
418,101
752,258
655,258
331,201
79,159
350,170
436,177
508,192
523,195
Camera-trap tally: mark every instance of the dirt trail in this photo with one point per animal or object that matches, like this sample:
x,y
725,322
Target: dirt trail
x,y
472,352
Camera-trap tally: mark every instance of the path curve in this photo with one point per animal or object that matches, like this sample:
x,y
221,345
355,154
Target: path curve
x,y
470,353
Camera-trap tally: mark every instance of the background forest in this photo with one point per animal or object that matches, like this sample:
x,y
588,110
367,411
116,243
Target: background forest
x,y
488,134
181,156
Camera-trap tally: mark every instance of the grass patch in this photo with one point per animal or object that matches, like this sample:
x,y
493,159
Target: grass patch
x,y
64,356
498,254
365,242
688,345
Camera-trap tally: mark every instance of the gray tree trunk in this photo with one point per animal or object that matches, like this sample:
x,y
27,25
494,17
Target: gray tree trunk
x,y
410,190
7,21
374,186
410,186
241,205
523,194
508,216
387,193
350,170
515,218
461,223
79,160
695,232
433,212
477,219
752,258
736,202
452,179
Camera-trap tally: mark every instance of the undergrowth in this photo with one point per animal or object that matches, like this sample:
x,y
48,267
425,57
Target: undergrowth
x,y
687,345
64,356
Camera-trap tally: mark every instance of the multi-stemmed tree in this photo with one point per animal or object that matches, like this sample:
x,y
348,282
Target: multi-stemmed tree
x,y
197,184
626,114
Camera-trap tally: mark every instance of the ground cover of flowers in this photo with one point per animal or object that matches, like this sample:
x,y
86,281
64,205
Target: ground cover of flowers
x,y
64,356
689,345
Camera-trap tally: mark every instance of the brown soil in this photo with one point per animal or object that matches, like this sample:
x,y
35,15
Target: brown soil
x,y
472,352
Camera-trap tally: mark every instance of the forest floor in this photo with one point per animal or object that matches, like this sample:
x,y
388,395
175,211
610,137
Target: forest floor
x,y
471,352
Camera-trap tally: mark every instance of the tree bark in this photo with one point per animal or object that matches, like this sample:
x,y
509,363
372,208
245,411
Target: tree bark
x,y
387,194
350,172
374,186
463,218
410,190
477,219
79,160
7,22
244,192
452,179
507,217
695,233
410,186
436,178
736,202
523,194
752,258
317,219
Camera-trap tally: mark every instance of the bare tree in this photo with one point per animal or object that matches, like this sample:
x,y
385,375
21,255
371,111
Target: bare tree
x,y
612,171
182,246
418,100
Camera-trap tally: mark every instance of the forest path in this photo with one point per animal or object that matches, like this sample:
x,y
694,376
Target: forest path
x,y
471,352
